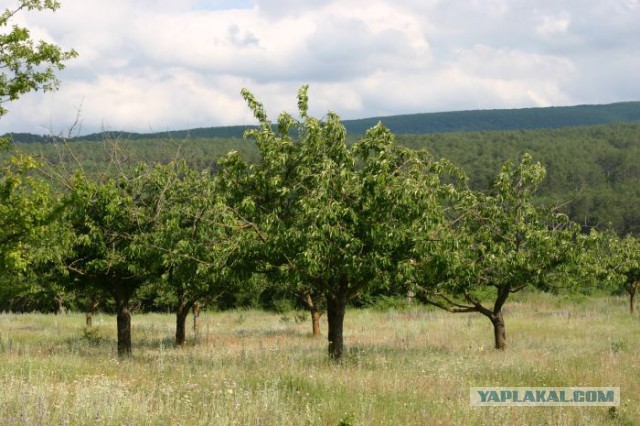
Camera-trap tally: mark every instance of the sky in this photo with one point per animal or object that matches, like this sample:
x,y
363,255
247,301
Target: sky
x,y
158,65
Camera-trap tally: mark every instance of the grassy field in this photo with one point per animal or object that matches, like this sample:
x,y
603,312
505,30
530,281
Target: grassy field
x,y
256,368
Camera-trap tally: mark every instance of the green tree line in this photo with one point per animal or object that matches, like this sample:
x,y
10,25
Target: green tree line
x,y
592,171
310,214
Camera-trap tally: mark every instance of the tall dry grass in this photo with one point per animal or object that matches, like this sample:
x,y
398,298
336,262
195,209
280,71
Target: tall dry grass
x,y
248,367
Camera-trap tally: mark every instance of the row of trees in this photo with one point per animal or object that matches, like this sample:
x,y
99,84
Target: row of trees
x,y
314,216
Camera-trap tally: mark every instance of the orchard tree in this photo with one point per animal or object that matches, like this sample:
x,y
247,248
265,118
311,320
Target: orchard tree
x,y
494,245
620,262
191,236
105,250
26,65
328,215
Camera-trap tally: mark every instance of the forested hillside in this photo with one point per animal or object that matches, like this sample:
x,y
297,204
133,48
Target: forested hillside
x,y
594,171
438,122
503,119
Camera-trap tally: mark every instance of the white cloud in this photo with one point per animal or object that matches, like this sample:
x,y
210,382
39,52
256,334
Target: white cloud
x,y
553,25
174,64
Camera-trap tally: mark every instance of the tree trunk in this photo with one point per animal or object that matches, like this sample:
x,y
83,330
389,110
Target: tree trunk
x,y
196,315
124,327
315,314
336,305
181,320
315,322
93,305
411,295
633,289
60,302
499,331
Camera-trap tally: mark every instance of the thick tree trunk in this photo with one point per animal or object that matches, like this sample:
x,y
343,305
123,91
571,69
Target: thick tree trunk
x,y
499,331
181,321
93,305
336,305
124,327
315,314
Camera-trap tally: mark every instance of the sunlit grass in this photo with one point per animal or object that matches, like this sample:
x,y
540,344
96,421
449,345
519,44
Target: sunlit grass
x,y
250,367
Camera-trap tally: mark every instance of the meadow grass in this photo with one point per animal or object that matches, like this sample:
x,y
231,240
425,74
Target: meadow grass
x,y
407,367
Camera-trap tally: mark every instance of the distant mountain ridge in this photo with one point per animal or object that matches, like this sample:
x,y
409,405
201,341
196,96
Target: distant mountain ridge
x,y
423,123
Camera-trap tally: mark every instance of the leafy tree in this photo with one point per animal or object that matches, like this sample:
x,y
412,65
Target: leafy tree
x,y
31,238
190,232
25,208
619,259
31,290
327,214
27,66
494,245
105,251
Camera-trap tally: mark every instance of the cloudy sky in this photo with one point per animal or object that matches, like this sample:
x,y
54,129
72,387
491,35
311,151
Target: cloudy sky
x,y
156,65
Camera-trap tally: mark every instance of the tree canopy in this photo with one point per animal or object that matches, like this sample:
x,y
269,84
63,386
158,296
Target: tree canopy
x,y
497,242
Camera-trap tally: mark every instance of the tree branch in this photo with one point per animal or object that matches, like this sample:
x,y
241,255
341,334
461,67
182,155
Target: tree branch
x,y
453,308
476,303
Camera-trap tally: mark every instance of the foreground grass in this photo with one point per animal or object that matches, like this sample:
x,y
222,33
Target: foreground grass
x,y
250,367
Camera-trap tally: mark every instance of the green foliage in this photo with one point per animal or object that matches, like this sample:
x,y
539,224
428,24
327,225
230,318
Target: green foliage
x,y
307,210
27,234
591,171
283,306
105,251
502,119
192,232
618,263
621,259
329,216
498,240
27,66
26,208
99,158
